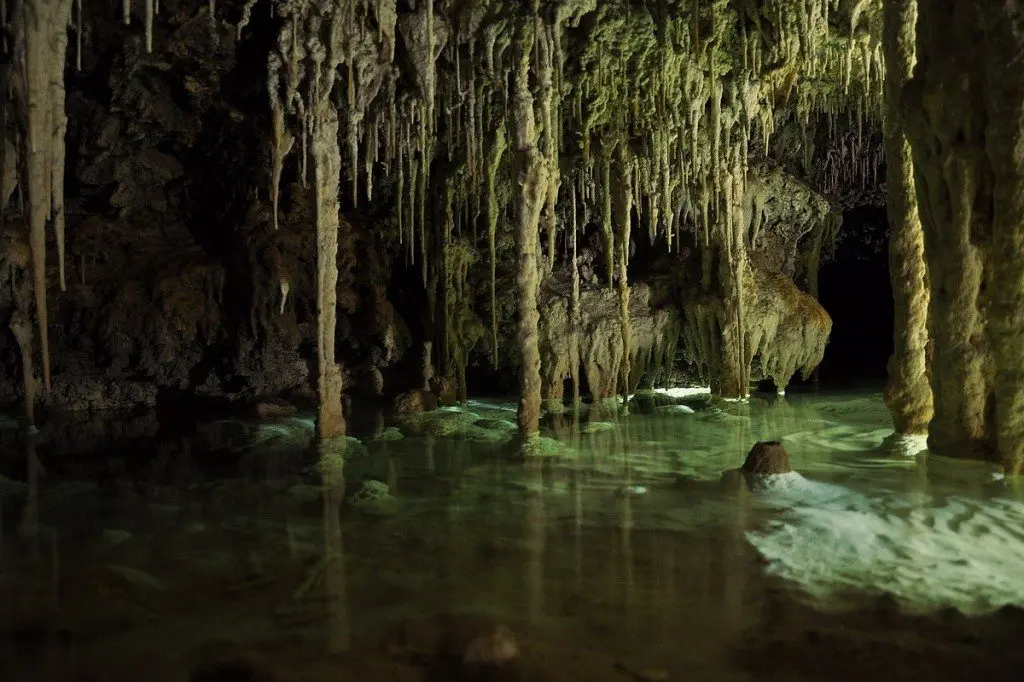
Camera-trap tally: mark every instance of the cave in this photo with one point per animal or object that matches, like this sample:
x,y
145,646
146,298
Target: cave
x,y
504,340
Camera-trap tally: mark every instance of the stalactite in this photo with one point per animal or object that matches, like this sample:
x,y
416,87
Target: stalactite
x,y
623,217
574,306
40,92
494,156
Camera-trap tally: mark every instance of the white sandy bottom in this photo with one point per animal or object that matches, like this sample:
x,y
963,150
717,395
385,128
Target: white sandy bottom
x,y
966,553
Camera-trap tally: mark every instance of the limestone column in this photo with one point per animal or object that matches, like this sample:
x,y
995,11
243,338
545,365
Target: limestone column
x,y
330,420
908,393
966,102
1003,28
533,187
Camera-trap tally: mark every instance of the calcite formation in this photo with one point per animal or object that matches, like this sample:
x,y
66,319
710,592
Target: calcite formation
x,y
516,157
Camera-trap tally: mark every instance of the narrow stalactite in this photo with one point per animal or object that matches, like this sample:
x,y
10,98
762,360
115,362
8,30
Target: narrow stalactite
x,y
574,304
533,185
623,217
40,91
498,145
908,393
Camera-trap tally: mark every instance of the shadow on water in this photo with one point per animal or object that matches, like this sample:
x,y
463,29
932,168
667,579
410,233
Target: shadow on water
x,y
423,551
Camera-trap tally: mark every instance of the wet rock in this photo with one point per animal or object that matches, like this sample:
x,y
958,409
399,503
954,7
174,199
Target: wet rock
x,y
374,498
274,410
767,458
597,427
413,401
371,491
446,390
389,433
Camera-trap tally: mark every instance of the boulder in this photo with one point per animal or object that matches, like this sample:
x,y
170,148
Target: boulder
x,y
766,459
417,400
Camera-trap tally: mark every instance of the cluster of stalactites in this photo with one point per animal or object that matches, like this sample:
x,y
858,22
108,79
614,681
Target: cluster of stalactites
x,y
40,30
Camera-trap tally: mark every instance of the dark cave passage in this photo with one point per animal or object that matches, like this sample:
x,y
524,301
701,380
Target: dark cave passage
x,y
856,292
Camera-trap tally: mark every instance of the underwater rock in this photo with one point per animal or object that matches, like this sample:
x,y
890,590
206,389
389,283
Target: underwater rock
x,y
389,433
374,497
417,400
766,459
274,410
597,427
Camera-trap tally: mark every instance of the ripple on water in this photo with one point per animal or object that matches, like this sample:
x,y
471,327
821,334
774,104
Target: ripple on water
x,y
966,553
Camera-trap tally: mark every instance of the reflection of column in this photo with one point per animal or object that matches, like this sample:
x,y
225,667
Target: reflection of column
x,y
429,451
30,520
333,472
536,528
627,550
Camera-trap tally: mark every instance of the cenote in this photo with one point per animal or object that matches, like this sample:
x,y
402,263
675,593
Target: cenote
x,y
467,340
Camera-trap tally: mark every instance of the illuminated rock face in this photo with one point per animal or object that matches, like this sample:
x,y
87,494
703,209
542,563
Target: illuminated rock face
x,y
602,352
461,133
908,393
966,127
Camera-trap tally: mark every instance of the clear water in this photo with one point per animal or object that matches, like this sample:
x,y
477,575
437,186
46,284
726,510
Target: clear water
x,y
619,555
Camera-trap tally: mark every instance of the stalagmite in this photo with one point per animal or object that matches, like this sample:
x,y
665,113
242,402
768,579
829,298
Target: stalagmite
x,y
908,394
533,186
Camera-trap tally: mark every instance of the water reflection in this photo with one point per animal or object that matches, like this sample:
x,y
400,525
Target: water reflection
x,y
617,548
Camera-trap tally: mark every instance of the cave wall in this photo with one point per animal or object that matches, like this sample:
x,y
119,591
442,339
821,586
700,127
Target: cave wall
x,y
196,215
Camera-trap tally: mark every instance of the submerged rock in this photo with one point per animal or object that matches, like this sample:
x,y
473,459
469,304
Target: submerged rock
x,y
767,458
388,433
274,410
413,401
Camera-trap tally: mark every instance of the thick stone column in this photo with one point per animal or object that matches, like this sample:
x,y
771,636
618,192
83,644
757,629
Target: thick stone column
x,y
533,187
330,421
908,393
1003,27
966,103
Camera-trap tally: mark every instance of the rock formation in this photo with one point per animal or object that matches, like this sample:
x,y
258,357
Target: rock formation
x,y
266,191
908,393
965,124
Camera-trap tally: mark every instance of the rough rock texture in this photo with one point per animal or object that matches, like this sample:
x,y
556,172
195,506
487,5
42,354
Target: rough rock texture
x,y
786,329
966,126
654,333
907,393
767,458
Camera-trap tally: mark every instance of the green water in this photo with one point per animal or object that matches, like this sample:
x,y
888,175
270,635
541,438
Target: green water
x,y
619,546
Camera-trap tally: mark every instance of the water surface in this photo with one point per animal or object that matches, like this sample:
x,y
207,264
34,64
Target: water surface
x,y
617,555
